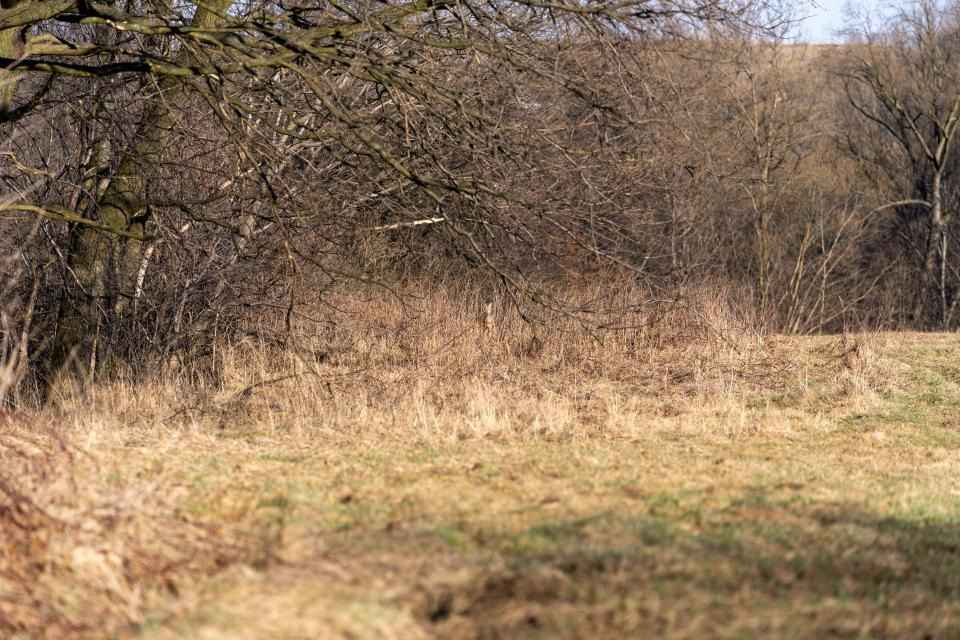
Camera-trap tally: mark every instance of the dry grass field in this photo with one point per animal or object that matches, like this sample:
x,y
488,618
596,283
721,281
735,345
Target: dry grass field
x,y
430,476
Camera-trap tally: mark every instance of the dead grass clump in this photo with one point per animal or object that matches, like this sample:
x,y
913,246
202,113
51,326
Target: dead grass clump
x,y
855,367
609,328
78,555
430,363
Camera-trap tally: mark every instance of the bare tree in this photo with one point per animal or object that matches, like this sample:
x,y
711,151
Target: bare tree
x,y
902,83
238,110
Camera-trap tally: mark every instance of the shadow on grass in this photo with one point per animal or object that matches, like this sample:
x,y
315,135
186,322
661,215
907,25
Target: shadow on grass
x,y
755,566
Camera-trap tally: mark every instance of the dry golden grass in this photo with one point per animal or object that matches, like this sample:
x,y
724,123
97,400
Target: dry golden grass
x,y
425,475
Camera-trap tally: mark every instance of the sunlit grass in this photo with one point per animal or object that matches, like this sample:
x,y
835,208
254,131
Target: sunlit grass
x,y
715,486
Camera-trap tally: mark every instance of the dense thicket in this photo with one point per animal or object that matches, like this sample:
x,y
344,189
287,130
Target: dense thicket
x,y
172,175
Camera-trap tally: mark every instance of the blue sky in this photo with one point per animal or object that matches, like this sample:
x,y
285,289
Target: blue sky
x,y
827,16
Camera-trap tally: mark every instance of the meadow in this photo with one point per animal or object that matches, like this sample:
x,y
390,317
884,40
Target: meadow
x,y
438,475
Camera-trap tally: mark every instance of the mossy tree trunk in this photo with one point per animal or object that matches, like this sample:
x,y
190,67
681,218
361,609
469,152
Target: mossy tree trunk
x,y
10,47
104,262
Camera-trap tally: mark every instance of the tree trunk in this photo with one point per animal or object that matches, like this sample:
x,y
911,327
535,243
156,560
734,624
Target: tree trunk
x,y
944,315
104,265
9,48
930,309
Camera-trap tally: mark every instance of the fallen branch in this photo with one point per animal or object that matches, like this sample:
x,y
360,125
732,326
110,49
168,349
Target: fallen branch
x,y
412,223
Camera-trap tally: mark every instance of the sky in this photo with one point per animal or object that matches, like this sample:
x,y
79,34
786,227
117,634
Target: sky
x,y
828,16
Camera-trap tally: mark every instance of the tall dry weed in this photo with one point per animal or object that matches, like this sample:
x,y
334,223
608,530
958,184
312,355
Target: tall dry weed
x,y
458,361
